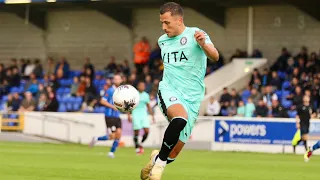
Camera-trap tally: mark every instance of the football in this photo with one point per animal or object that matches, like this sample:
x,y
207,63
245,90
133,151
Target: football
x,y
126,98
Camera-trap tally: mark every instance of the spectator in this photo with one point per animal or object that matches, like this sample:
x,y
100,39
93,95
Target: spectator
x,y
281,63
13,102
290,66
2,73
32,85
257,84
141,52
278,111
89,65
28,103
255,96
255,75
38,70
41,102
52,104
53,82
9,77
112,66
74,86
232,109
235,96
41,90
90,95
23,66
50,66
265,78
249,108
125,68
82,86
148,84
257,54
275,81
29,68
268,97
296,97
213,108
89,74
225,97
241,109
62,69
303,53
15,80
154,56
261,109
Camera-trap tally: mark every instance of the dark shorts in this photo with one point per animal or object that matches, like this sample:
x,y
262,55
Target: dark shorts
x,y
304,129
113,123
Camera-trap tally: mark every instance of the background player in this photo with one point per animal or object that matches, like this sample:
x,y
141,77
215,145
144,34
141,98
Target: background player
x,y
112,118
140,118
305,113
184,52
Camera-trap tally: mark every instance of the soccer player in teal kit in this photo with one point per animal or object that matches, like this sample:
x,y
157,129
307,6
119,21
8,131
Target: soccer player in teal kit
x,y
184,53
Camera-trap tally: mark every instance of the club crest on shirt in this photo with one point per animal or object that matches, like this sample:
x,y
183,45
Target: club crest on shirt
x,y
183,41
173,99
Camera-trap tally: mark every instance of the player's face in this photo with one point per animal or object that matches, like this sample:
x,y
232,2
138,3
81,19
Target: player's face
x,y
141,87
170,24
117,80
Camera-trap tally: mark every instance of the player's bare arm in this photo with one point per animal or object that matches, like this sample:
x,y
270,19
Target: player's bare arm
x,y
151,113
209,49
108,105
298,122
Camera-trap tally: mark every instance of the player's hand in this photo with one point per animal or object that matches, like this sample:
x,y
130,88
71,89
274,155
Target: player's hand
x,y
130,119
200,38
114,108
298,125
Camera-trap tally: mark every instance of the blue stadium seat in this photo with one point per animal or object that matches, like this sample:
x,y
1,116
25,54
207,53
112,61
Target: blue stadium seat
x,y
286,103
284,94
78,99
62,108
292,114
76,106
224,112
14,90
60,90
41,81
279,94
67,91
282,75
4,98
286,85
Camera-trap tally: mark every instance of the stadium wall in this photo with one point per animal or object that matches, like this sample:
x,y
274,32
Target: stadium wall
x,y
20,39
79,33
266,135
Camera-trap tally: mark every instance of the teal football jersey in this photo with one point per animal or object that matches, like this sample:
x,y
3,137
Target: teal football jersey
x,y
184,64
142,109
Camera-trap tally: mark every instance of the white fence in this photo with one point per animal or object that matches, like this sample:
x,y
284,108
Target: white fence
x,y
211,133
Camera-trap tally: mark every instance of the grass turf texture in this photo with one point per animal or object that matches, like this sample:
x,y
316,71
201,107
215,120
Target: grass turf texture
x,y
27,161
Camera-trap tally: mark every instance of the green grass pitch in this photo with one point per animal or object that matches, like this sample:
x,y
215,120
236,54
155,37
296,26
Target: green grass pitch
x,y
27,161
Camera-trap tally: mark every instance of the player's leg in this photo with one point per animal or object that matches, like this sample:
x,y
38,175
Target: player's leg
x,y
145,124
174,153
305,136
107,136
136,126
310,150
118,126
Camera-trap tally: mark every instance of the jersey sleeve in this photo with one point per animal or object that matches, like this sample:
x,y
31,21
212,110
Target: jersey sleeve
x,y
147,98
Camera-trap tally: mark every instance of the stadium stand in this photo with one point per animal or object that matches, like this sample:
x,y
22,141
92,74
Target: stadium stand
x,y
279,89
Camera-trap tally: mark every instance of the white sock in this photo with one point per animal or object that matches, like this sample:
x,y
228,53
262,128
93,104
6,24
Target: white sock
x,y
154,159
311,148
137,150
160,162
